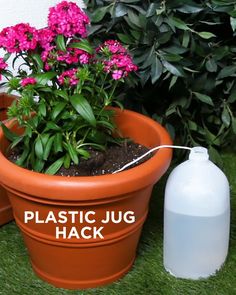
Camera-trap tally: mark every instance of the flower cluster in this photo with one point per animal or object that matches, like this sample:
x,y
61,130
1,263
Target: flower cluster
x,y
68,19
68,77
118,61
3,66
21,37
67,87
28,81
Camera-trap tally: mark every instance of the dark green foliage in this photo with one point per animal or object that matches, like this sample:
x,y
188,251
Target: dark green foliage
x,y
186,53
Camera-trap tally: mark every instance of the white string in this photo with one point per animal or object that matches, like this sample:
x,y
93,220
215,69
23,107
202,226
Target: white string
x,y
149,152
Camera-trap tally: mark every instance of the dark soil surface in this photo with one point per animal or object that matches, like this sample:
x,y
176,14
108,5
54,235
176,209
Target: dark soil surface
x,y
100,163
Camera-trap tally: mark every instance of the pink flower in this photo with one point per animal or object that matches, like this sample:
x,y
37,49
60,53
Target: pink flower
x,y
117,74
115,59
68,19
28,81
119,63
3,65
21,37
84,58
113,46
68,77
46,36
48,56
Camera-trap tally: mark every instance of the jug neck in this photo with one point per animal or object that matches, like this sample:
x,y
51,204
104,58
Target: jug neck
x,y
199,154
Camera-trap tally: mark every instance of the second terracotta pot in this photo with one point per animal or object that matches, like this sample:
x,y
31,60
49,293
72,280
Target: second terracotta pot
x,y
6,213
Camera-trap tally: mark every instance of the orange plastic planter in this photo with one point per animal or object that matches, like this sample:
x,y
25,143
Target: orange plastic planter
x,y
6,214
80,262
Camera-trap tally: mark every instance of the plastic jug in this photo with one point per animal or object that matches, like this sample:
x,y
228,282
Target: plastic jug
x,y
196,218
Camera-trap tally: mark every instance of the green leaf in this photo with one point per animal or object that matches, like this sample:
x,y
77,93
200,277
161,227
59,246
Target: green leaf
x,y
173,81
211,65
60,42
23,157
225,116
206,35
233,23
58,143
106,124
134,18
8,133
204,98
67,161
234,125
52,126
99,14
39,147
190,8
62,94
120,10
215,156
38,165
125,38
37,58
83,45
178,23
44,138
16,141
186,39
84,153
152,9
44,78
173,69
55,166
48,148
227,72
97,136
82,106
57,110
42,109
73,153
156,70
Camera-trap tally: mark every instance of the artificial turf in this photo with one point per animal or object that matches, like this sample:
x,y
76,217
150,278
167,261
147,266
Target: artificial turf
x,y
147,276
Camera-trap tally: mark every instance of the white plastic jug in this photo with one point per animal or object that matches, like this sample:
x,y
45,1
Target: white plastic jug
x,y
196,218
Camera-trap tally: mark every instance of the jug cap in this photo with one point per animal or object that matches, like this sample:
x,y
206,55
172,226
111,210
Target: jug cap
x,y
199,153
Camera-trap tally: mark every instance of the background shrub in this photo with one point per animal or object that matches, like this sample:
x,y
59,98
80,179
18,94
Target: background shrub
x,y
186,53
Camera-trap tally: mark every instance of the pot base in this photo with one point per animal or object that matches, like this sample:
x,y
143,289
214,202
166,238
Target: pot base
x,y
72,285
6,214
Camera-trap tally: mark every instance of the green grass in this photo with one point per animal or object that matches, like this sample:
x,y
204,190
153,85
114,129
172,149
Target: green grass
x,y
147,276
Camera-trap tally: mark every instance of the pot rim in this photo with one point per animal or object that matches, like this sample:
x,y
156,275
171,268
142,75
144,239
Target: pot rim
x,y
57,187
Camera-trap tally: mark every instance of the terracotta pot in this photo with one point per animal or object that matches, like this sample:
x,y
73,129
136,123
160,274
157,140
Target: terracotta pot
x,y
6,214
80,262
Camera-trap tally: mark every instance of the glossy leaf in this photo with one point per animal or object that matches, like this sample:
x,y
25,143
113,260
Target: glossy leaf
x,y
39,148
83,45
173,69
57,110
99,14
53,169
8,133
45,77
60,41
156,70
37,58
73,153
82,106
48,148
206,35
204,98
225,116
57,145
